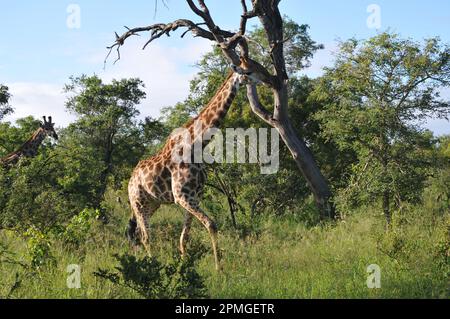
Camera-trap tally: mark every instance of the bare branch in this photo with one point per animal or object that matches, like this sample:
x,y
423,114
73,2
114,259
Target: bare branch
x,y
194,8
159,29
238,38
204,14
244,18
227,41
272,21
257,107
156,7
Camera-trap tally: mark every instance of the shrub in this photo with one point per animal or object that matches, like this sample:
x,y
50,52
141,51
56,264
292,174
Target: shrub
x,y
75,233
39,248
153,279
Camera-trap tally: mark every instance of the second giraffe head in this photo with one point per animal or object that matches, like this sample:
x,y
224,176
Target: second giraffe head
x,y
48,127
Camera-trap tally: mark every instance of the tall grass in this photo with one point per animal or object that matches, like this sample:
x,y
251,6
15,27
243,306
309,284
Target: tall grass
x,y
280,258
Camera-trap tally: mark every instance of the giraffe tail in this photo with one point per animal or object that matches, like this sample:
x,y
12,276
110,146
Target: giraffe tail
x,y
131,231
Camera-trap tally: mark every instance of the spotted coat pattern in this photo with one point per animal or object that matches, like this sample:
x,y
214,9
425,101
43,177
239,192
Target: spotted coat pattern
x,y
160,180
30,147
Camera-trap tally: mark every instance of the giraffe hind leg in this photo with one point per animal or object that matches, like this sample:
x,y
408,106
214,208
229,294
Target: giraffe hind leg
x,y
141,215
185,233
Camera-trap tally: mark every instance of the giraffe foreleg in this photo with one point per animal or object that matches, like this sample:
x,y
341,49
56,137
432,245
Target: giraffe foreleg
x,y
191,205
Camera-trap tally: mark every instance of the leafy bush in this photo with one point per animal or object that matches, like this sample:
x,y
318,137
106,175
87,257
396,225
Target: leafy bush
x,y
39,248
76,232
152,279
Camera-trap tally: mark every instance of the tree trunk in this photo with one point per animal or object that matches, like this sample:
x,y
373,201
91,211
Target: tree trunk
x,y
309,169
302,155
272,21
269,14
300,151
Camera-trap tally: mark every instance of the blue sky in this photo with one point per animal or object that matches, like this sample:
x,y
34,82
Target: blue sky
x,y
38,51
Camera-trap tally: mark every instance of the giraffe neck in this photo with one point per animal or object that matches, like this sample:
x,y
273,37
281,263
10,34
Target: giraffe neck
x,y
213,114
31,147
28,149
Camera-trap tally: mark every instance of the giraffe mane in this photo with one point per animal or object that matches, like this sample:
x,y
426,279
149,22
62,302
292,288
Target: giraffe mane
x,y
218,91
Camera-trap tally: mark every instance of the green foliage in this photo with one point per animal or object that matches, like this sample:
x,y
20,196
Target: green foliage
x,y
153,279
32,196
438,187
100,148
13,136
154,133
442,251
375,98
106,129
39,248
362,120
5,108
76,232
299,48
286,259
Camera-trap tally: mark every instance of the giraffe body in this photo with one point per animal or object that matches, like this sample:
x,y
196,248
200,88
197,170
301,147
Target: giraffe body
x,y
160,179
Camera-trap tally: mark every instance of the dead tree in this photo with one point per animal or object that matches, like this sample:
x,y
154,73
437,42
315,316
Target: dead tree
x,y
235,49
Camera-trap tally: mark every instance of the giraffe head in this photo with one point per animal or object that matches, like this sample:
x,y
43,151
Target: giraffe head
x,y
48,127
244,75
251,71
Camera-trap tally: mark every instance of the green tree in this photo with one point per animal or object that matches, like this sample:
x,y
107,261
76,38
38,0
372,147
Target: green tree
x,y
13,136
243,185
30,194
235,47
106,129
439,184
5,108
377,96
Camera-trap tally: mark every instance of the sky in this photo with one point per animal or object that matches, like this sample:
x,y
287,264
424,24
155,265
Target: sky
x,y
45,42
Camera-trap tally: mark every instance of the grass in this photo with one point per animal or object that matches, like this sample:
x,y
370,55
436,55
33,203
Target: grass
x,y
283,259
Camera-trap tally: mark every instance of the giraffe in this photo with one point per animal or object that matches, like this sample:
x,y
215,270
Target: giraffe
x,y
161,180
30,147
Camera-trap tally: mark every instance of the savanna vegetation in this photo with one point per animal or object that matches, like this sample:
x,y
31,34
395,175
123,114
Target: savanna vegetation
x,y
363,120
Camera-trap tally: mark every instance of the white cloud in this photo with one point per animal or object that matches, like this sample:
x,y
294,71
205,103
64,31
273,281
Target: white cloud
x,y
165,71
38,99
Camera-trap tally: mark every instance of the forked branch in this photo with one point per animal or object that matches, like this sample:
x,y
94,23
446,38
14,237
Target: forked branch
x,y
226,40
235,48
158,30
